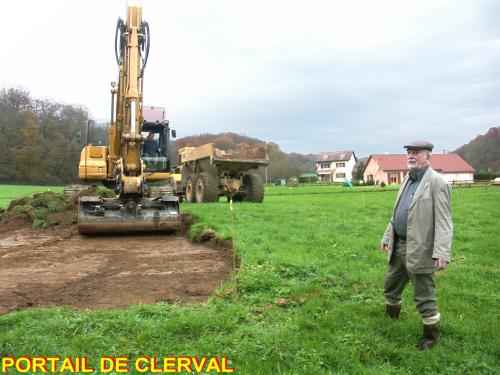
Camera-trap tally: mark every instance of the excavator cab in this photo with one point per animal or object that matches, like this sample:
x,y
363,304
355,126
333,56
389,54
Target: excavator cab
x,y
155,150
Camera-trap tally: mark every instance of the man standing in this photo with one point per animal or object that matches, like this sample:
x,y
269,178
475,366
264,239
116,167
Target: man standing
x,y
418,239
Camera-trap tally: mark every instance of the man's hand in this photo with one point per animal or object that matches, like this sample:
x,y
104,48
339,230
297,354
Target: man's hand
x,y
384,247
440,264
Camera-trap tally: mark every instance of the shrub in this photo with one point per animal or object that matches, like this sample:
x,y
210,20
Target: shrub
x,y
308,178
482,176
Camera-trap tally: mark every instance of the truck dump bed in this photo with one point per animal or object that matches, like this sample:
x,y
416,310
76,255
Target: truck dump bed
x,y
231,160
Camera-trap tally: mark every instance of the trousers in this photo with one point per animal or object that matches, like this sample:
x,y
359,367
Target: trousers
x,y
397,278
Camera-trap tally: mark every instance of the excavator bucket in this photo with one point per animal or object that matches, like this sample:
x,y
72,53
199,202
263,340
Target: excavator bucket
x,y
113,215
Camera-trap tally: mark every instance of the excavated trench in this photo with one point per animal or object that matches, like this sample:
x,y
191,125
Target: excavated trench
x,y
56,266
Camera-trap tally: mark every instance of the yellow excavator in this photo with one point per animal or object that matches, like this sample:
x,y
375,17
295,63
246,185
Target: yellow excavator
x,y
124,163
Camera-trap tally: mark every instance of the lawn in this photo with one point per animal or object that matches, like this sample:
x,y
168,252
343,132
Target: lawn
x,y
10,192
324,189
309,297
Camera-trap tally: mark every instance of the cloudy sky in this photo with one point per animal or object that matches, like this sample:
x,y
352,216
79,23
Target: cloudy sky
x,y
309,75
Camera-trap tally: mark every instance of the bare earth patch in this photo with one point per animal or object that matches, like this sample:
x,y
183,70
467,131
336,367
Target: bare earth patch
x,y
61,268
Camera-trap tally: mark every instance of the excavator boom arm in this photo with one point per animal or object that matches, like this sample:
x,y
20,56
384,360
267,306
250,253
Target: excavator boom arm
x,y
120,163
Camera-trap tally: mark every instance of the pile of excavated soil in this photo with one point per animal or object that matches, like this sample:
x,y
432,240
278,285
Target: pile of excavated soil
x,y
55,266
23,212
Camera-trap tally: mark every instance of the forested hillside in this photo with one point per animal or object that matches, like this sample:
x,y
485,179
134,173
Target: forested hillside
x,y
41,140
483,152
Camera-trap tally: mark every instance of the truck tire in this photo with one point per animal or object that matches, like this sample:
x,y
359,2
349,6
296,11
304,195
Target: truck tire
x,y
190,186
254,188
206,189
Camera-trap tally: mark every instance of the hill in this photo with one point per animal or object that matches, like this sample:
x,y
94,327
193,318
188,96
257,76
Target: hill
x,y
223,141
483,152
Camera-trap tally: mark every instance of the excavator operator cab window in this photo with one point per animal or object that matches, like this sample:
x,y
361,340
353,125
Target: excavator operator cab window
x,y
155,151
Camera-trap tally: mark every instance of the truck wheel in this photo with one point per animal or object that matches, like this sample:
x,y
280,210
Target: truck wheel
x,y
206,188
190,189
254,188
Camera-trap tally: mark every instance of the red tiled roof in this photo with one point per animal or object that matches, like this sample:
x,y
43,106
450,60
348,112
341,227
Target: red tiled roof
x,y
449,163
390,162
446,163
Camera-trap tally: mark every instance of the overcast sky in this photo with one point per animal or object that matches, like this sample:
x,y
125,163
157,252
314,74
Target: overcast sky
x,y
309,75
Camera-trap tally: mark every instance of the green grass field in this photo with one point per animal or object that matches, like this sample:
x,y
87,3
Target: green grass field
x,y
318,252
324,189
10,192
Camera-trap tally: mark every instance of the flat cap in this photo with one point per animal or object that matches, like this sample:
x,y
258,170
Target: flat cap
x,y
419,145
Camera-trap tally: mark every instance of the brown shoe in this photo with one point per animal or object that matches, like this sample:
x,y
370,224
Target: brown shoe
x,y
392,311
429,337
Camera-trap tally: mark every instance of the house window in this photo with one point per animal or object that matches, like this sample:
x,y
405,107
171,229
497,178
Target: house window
x,y
369,177
340,165
324,165
340,175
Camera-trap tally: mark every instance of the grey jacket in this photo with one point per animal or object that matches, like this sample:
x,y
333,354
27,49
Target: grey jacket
x,y
430,227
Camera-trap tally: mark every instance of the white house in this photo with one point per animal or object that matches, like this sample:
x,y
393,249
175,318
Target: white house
x,y
335,166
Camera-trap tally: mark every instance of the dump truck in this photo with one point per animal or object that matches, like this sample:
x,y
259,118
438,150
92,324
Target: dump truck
x,y
123,164
206,173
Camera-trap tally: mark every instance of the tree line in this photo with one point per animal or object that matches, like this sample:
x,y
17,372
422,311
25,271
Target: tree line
x,y
41,139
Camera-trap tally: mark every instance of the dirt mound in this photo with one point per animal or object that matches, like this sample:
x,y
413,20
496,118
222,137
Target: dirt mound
x,y
18,202
15,222
90,190
50,210
41,210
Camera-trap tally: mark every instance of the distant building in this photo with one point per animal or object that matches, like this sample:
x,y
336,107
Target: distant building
x,y
335,166
392,168
279,182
